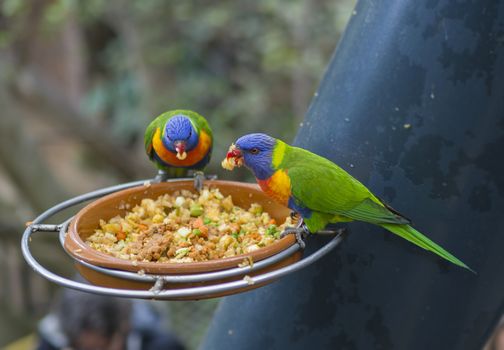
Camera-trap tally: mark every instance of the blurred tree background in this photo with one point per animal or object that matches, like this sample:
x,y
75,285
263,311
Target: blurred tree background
x,y
80,81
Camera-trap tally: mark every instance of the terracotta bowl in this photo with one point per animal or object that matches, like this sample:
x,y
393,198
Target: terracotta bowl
x,y
87,220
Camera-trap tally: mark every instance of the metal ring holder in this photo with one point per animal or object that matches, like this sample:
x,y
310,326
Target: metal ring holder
x,y
157,291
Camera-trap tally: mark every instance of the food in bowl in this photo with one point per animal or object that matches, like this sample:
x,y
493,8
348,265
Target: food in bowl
x,y
186,227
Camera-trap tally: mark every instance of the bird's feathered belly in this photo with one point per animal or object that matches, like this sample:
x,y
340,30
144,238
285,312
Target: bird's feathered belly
x,y
194,156
277,186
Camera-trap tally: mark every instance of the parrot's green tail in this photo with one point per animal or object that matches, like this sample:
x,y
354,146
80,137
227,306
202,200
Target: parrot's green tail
x,y
409,233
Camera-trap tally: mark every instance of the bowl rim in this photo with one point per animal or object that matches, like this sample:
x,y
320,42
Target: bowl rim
x,y
79,250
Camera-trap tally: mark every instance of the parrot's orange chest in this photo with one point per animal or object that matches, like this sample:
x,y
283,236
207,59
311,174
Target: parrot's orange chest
x,y
277,186
193,156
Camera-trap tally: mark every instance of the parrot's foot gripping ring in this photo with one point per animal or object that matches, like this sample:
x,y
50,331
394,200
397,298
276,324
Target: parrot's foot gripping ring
x,y
161,176
301,232
199,179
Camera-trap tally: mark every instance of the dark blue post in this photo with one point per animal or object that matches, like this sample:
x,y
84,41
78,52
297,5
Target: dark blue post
x,y
412,104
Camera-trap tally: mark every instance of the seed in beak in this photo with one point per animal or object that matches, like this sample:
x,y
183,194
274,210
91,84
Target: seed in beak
x,y
234,153
182,156
180,148
233,158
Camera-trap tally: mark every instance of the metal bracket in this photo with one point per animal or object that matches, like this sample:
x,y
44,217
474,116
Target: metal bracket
x,y
45,228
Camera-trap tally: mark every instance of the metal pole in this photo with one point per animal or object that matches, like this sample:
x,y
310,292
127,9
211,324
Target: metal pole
x,y
412,104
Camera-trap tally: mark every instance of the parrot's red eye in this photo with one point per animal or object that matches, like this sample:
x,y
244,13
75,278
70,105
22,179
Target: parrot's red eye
x,y
254,151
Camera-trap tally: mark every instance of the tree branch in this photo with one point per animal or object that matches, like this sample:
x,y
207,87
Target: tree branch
x,y
46,99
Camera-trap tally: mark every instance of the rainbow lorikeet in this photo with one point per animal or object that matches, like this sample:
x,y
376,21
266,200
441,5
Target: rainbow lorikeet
x,y
178,141
319,190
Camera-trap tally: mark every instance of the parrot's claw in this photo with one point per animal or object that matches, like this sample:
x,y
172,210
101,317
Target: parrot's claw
x,y
199,178
294,215
161,176
300,232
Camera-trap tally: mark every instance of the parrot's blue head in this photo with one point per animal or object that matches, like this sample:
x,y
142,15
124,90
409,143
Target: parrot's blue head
x,y
180,135
256,150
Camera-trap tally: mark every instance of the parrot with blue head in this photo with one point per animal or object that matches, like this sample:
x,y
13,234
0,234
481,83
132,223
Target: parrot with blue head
x,y
319,190
178,141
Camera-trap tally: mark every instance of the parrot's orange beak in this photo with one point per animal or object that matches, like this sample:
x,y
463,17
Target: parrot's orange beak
x,y
180,147
234,158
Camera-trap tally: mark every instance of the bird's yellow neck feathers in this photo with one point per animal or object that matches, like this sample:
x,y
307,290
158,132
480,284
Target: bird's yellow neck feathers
x,y
278,185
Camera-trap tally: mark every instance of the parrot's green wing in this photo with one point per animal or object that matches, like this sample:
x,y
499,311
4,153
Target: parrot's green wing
x,y
340,193
159,122
198,121
149,134
372,212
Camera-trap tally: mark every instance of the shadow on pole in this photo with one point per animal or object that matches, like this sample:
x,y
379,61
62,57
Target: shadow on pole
x,y
412,105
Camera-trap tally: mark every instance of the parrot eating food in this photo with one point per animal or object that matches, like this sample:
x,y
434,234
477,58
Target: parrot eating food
x,y
318,190
178,141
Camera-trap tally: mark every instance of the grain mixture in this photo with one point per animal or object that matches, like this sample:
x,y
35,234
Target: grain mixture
x,y
186,227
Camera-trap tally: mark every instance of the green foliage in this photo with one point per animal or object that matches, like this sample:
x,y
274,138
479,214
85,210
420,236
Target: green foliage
x,y
246,66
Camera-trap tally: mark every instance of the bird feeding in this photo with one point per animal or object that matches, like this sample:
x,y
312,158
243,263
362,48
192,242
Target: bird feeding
x,y
319,190
177,141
